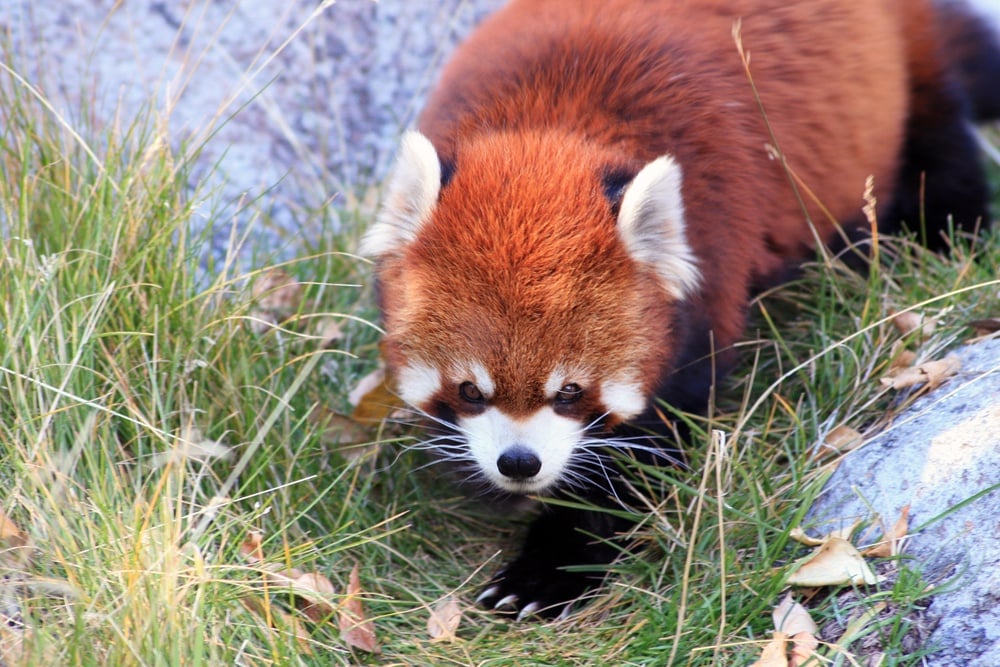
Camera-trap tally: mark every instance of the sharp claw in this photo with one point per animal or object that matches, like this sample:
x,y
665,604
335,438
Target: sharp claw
x,y
528,610
509,602
488,593
564,614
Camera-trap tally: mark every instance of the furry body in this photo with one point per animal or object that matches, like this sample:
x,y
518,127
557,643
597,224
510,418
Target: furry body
x,y
595,198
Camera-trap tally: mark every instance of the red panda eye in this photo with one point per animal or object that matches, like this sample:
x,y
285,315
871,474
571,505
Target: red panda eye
x,y
570,393
470,392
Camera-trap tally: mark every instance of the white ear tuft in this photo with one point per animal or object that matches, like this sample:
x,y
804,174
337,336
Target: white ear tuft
x,y
651,225
409,200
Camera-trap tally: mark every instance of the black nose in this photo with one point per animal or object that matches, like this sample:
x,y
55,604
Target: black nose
x,y
518,463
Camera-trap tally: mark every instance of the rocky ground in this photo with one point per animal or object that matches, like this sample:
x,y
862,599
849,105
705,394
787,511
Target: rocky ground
x,y
303,101
942,458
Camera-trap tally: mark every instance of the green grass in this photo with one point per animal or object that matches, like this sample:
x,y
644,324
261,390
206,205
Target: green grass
x,y
117,350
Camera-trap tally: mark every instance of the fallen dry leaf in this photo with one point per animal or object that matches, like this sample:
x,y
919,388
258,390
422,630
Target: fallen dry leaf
x,y
890,544
374,398
356,631
836,562
444,620
985,327
910,321
804,645
845,533
312,591
932,373
774,653
940,370
792,618
10,534
903,359
838,441
366,385
800,536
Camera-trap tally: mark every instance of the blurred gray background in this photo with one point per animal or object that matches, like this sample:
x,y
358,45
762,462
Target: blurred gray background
x,y
292,105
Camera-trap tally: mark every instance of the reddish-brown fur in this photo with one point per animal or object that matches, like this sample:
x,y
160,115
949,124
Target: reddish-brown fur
x,y
666,78
520,275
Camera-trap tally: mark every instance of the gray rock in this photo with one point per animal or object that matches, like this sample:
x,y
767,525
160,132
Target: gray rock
x,y
942,457
293,104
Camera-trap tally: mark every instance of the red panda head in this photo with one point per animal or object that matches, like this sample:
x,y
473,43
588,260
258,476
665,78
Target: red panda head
x,y
523,307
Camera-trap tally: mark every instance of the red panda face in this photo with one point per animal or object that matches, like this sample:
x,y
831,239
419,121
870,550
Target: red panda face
x,y
518,306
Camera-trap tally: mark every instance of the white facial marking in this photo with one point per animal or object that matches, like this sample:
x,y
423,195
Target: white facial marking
x,y
623,399
563,374
417,382
481,377
550,437
651,225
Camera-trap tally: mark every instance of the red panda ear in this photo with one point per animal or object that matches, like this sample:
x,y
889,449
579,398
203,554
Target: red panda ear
x,y
410,197
651,225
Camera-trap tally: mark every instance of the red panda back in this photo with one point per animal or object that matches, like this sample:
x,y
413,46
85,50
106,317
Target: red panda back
x,y
665,77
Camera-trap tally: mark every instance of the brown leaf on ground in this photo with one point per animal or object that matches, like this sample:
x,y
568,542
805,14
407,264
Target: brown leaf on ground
x,y
844,533
774,653
891,543
374,398
10,534
444,620
800,536
804,645
902,359
356,630
932,373
835,563
792,618
312,591
985,327
910,321
838,441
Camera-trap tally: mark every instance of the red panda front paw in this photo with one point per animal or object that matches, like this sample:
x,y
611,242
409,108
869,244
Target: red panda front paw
x,y
527,589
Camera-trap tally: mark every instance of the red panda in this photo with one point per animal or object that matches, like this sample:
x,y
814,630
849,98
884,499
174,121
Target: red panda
x,y
594,194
